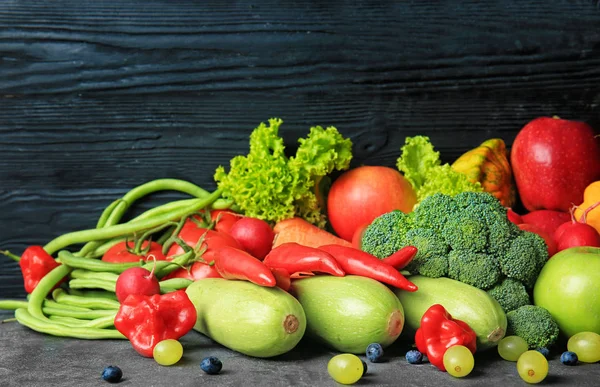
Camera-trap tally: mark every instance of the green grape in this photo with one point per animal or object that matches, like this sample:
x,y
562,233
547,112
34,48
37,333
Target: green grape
x,y
586,345
532,366
167,352
511,347
345,368
458,361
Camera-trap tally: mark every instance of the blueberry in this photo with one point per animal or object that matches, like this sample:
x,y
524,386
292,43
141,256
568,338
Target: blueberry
x,y
414,357
544,351
569,358
211,365
374,352
112,374
364,367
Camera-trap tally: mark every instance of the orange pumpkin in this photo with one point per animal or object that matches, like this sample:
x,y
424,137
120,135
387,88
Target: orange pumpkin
x,y
488,164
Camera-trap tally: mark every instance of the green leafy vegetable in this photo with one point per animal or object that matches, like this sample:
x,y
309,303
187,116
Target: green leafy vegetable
x,y
268,185
421,165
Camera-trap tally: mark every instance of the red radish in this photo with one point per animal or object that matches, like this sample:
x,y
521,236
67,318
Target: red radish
x,y
547,220
137,280
254,235
577,233
513,216
550,242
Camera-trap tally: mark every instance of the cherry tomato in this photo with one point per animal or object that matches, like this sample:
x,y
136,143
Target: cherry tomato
x,y
122,252
198,270
212,240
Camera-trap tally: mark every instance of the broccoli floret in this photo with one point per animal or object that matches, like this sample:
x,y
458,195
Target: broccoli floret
x,y
524,258
534,324
431,259
476,269
434,211
466,199
386,234
510,294
466,231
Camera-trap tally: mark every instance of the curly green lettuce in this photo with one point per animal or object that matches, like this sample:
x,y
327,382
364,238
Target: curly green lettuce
x,y
268,185
421,165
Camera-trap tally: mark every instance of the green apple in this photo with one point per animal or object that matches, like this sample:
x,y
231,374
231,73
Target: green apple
x,y
569,288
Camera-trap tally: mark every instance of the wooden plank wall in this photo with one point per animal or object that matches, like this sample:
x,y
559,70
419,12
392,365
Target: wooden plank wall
x,y
99,96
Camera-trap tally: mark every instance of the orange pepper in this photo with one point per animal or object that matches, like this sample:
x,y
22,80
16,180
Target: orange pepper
x,y
591,196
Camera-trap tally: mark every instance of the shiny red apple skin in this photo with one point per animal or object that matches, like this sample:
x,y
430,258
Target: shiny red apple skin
x,y
553,160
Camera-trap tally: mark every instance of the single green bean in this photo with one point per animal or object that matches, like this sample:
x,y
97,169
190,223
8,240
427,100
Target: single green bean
x,y
45,325
174,284
101,322
107,212
100,248
86,274
43,288
67,258
12,304
93,294
54,304
62,297
85,315
88,283
126,228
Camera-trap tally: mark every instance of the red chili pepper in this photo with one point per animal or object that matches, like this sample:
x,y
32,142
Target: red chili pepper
x,y
402,257
439,331
35,263
296,258
233,263
358,262
148,320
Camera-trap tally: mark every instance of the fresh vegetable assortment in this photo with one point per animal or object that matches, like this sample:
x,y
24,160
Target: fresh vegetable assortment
x,y
427,253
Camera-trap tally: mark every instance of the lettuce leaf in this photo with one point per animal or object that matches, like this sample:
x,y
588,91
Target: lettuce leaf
x,y
268,185
421,165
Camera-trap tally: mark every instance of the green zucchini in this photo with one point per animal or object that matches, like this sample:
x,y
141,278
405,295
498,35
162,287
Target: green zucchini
x,y
464,302
254,320
349,313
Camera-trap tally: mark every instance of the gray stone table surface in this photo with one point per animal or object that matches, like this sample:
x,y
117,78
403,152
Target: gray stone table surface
x,y
28,358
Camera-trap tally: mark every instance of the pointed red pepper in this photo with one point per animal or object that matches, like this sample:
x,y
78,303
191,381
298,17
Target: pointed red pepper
x,y
439,331
148,320
358,262
402,257
233,263
296,258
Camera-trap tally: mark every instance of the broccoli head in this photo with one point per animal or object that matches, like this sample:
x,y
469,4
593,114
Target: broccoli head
x,y
466,231
476,269
534,324
386,234
510,294
434,211
431,259
524,258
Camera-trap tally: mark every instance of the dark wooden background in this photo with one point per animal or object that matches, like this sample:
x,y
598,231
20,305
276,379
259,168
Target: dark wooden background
x,y
97,97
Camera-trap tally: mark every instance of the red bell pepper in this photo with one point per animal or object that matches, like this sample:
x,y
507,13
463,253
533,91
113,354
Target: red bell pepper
x,y
358,262
35,263
439,331
296,258
402,257
233,263
148,320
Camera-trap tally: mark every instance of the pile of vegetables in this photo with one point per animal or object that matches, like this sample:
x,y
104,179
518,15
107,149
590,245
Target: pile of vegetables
x,y
252,264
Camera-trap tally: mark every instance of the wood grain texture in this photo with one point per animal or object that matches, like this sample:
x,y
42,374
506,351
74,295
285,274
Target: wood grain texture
x,y
98,97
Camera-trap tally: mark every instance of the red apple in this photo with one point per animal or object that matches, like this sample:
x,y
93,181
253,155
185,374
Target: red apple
x,y
553,160
360,195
